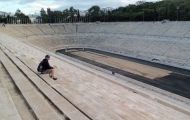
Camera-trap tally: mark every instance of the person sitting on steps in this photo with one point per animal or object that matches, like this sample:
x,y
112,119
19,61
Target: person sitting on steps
x,y
46,68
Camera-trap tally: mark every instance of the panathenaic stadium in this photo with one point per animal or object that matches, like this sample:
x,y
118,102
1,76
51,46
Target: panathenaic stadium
x,y
105,71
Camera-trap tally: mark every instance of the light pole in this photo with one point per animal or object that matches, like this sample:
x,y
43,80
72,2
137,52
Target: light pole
x,y
143,15
105,10
89,19
159,14
21,19
68,19
75,15
117,17
177,7
130,14
104,14
15,19
87,16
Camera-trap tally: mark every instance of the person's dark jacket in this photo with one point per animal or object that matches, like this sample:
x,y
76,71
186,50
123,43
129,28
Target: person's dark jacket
x,y
45,65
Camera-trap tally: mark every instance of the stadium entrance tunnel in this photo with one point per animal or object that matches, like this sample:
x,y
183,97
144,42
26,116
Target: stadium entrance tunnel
x,y
168,78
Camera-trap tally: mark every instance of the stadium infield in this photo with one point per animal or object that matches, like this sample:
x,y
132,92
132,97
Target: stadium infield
x,y
168,78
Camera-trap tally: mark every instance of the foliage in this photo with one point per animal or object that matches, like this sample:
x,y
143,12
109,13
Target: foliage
x,y
18,18
149,11
57,16
2,19
166,9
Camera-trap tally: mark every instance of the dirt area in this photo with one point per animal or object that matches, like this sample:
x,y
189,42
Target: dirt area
x,y
168,78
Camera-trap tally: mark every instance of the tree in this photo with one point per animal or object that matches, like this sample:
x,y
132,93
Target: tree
x,y
22,18
95,13
2,19
44,16
72,11
49,12
43,12
94,10
19,14
65,13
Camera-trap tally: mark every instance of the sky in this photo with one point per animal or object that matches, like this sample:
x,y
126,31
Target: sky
x,y
32,6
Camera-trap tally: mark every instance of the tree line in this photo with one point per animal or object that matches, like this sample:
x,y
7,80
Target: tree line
x,y
149,11
18,18
166,9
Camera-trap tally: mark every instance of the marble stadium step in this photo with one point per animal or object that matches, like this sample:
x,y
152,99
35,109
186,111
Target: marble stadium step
x,y
61,103
69,92
41,109
8,110
163,111
63,90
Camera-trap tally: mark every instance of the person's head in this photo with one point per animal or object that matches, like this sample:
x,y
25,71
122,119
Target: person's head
x,y
47,57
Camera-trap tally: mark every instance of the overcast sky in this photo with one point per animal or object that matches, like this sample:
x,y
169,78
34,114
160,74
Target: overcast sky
x,y
32,6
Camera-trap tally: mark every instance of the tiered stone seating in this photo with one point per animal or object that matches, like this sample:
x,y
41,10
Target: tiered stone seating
x,y
58,28
98,97
23,30
97,41
159,28
179,29
45,112
187,34
82,40
8,110
53,43
67,108
159,47
70,28
3,30
150,47
40,107
180,50
117,27
94,28
128,28
138,45
170,29
46,29
112,37
39,41
14,31
126,45
67,40
82,28
106,27
143,28
34,29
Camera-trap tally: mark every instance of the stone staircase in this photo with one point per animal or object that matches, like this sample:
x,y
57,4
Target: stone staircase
x,y
45,102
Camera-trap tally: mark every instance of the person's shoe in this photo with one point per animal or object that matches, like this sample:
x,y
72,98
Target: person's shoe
x,y
50,76
54,78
